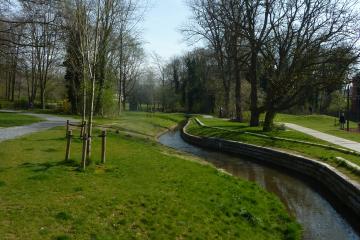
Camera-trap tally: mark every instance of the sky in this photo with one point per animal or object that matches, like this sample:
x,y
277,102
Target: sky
x,y
161,28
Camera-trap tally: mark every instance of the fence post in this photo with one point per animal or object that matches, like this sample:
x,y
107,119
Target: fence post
x,y
67,126
103,149
83,127
83,159
68,145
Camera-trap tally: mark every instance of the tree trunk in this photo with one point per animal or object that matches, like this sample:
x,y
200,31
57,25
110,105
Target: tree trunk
x,y
90,121
124,103
121,79
255,118
101,85
226,109
84,103
269,121
42,98
226,103
13,79
119,104
239,113
93,81
8,86
255,114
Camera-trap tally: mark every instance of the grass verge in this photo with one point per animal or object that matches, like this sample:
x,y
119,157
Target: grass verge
x,y
321,123
16,119
238,134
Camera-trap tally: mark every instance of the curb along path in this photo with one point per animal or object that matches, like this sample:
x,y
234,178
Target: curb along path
x,y
340,148
49,122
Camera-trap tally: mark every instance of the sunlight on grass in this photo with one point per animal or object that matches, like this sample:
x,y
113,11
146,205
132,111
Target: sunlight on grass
x,y
321,123
141,193
15,119
321,153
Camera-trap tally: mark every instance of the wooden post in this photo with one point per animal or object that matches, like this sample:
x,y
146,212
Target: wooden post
x,y
83,159
103,149
67,126
68,145
83,127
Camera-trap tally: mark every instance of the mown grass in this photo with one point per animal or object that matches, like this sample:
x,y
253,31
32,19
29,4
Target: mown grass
x,y
15,119
145,191
321,153
321,123
149,124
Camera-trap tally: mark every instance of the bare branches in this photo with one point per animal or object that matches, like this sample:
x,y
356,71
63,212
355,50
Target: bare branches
x,y
284,42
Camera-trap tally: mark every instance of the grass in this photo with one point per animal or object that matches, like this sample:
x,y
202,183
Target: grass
x,y
321,123
145,191
320,153
15,119
142,123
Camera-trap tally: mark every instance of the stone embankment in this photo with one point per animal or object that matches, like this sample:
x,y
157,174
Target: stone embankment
x,y
346,190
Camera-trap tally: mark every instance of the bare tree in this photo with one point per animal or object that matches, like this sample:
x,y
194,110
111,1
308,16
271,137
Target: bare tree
x,y
160,66
256,30
127,42
304,36
206,24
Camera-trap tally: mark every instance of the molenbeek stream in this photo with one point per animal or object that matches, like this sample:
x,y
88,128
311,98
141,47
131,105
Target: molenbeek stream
x,y
312,207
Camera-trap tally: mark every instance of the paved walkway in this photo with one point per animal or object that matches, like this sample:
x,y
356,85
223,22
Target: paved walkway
x,y
14,132
326,137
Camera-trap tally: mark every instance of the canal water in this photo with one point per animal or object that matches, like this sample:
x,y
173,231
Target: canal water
x,y
310,205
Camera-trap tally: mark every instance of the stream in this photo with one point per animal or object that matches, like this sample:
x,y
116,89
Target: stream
x,y
313,208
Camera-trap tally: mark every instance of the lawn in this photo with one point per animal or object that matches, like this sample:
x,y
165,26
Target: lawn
x,y
321,123
148,124
15,119
238,134
145,191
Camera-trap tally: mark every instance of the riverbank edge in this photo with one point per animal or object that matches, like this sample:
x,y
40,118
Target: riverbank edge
x,y
343,188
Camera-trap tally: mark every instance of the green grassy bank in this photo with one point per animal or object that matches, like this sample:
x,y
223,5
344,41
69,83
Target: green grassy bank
x,y
238,132
145,191
15,119
321,123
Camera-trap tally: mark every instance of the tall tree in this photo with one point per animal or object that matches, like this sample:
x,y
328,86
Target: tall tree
x,y
206,24
256,30
304,36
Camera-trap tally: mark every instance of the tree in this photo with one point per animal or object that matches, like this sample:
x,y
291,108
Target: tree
x,y
256,30
101,53
207,25
304,36
45,35
161,71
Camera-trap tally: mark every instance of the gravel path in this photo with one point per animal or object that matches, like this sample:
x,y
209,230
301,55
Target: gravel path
x,y
326,137
50,122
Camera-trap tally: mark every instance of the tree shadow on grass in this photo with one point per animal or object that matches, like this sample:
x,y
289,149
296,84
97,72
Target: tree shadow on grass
x,y
50,150
240,127
50,139
43,167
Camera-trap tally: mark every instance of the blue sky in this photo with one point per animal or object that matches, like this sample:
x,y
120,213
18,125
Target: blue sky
x,y
161,27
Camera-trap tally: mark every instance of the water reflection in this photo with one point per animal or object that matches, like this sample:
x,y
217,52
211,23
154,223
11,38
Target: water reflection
x,y
317,216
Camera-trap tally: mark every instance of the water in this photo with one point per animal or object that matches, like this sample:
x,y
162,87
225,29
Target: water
x,y
320,220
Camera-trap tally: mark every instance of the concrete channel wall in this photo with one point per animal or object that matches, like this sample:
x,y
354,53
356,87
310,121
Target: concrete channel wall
x,y
346,190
